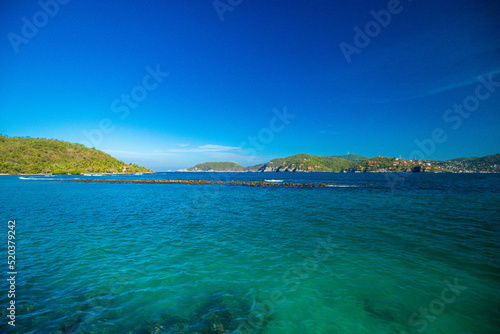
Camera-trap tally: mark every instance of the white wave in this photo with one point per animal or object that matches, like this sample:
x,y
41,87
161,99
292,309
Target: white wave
x,y
37,178
272,180
342,186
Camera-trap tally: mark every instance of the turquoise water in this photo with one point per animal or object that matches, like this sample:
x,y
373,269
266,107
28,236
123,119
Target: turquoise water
x,y
374,253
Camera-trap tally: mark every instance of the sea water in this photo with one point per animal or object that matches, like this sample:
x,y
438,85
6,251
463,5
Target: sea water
x,y
371,253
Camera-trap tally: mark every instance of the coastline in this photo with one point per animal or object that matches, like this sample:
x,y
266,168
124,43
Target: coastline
x,y
93,174
320,171
220,171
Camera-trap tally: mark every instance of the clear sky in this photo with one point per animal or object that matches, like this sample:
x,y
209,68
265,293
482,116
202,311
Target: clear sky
x,y
168,84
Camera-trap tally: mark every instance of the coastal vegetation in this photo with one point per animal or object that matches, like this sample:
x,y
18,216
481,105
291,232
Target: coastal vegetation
x,y
306,162
356,163
43,156
352,157
476,163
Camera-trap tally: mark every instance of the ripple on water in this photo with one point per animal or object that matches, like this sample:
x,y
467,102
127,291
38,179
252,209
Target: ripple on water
x,y
117,258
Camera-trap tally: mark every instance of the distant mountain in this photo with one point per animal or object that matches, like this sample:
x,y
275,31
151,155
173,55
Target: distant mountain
x,y
217,167
357,163
486,163
38,155
489,159
306,162
296,163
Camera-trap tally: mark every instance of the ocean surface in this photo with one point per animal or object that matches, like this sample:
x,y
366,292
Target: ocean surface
x,y
372,253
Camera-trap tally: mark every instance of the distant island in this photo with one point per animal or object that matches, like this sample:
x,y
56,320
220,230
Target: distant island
x,y
356,163
50,156
217,166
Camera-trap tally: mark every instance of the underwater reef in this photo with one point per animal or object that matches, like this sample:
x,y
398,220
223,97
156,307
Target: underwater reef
x,y
216,313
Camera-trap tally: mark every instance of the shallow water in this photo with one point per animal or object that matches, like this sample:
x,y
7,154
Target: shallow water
x,y
374,253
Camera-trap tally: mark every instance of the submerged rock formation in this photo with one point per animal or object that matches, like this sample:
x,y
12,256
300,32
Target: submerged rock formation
x,y
220,313
205,182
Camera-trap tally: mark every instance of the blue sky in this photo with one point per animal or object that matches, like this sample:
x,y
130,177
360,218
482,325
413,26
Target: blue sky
x,y
168,84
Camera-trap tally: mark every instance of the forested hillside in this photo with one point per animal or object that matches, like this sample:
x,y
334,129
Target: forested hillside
x,y
38,155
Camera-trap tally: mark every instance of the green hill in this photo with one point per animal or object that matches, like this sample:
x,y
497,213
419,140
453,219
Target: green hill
x,y
307,162
357,163
352,157
488,159
477,163
38,155
217,167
